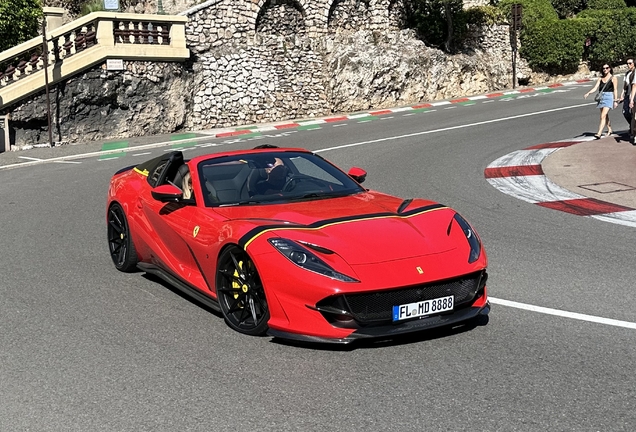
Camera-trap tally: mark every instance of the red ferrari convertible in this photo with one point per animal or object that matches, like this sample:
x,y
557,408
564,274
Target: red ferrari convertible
x,y
282,242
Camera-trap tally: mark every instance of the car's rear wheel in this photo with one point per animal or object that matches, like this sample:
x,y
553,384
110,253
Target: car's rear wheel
x,y
240,292
120,244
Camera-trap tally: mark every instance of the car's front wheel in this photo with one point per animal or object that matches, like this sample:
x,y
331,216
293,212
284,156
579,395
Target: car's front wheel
x,y
120,244
240,292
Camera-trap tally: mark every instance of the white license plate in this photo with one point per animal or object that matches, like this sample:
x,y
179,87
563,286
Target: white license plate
x,y
423,308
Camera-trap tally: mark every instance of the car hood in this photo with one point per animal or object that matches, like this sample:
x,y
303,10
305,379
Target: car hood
x,y
362,229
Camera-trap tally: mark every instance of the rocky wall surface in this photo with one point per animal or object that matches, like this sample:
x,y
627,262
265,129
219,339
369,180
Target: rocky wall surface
x,y
271,60
146,98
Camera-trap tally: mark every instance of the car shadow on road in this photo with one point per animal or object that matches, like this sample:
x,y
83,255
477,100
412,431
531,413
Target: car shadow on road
x,y
177,291
410,338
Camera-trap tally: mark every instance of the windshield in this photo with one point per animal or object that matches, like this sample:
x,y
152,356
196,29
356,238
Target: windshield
x,y
263,177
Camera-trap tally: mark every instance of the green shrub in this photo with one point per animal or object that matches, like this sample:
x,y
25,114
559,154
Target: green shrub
x,y
92,6
555,46
483,15
612,33
533,10
568,8
19,21
433,18
606,4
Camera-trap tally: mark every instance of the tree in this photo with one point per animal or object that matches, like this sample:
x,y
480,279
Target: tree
x,y
19,21
434,20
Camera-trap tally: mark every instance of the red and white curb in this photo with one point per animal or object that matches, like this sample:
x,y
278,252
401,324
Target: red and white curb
x,y
520,175
357,116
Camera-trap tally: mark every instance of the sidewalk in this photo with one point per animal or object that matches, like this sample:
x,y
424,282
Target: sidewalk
x,y
602,169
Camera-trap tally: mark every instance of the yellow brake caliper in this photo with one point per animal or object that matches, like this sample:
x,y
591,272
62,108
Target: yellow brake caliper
x,y
237,286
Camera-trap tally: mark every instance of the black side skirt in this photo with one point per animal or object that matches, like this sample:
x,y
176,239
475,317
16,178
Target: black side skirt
x,y
182,286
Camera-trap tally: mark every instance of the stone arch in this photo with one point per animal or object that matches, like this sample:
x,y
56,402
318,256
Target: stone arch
x,y
349,15
282,17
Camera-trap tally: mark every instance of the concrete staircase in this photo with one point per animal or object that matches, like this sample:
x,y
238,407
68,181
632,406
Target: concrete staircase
x,y
86,42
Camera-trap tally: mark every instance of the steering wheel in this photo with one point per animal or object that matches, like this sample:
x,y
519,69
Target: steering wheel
x,y
294,179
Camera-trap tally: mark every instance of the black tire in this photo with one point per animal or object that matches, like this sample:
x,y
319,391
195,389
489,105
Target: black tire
x,y
240,293
120,244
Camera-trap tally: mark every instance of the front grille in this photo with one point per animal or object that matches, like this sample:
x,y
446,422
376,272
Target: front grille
x,y
378,306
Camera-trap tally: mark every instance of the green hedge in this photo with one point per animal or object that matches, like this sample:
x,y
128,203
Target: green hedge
x,y
613,35
533,10
19,21
606,4
555,46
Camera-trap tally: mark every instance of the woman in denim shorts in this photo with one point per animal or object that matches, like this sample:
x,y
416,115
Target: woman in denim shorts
x,y
607,86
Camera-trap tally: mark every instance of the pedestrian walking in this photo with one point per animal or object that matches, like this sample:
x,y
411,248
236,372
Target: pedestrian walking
x,y
606,98
627,89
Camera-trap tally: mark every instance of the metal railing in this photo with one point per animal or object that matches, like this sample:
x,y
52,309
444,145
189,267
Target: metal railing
x,y
95,37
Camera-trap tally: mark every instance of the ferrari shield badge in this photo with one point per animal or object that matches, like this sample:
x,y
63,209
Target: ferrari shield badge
x,y
195,231
419,270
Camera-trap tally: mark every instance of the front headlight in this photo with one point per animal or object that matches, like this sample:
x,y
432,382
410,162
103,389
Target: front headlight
x,y
471,236
306,259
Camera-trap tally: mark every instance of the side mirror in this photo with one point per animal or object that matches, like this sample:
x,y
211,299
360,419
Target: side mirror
x,y
358,174
167,193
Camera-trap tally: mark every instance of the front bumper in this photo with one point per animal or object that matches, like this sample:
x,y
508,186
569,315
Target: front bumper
x,y
385,331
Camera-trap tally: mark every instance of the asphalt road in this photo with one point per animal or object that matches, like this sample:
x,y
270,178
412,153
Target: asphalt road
x,y
86,348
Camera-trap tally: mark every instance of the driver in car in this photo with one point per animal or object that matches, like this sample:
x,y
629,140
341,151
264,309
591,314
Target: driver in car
x,y
272,178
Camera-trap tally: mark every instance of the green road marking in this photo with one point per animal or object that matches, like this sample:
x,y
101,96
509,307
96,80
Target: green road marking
x,y
467,103
249,135
417,110
112,155
547,90
114,145
309,127
182,136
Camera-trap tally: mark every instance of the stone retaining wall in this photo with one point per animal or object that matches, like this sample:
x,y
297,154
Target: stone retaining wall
x,y
270,60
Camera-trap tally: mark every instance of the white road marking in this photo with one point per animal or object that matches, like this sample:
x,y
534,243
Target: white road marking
x,y
386,118
523,157
564,314
533,189
489,101
341,124
627,218
30,158
452,107
142,154
397,137
407,115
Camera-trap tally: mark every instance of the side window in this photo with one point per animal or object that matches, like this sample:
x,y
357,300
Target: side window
x,y
155,175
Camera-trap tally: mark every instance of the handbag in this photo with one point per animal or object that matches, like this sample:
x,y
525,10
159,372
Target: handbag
x,y
598,96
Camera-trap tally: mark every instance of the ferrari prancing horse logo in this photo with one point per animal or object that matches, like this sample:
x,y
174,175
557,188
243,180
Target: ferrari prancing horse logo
x,y
195,231
419,270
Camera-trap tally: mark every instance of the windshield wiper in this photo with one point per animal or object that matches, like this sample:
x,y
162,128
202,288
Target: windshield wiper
x,y
322,195
240,203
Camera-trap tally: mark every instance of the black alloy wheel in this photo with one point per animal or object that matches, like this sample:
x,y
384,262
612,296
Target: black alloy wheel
x,y
122,249
240,293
